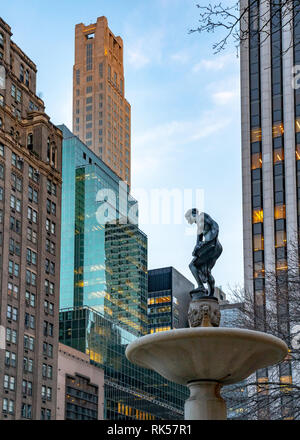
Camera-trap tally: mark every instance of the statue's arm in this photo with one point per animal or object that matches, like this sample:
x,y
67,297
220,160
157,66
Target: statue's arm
x,y
213,231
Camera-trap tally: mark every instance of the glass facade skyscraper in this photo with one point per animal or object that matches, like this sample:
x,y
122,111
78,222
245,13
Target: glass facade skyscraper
x,y
104,261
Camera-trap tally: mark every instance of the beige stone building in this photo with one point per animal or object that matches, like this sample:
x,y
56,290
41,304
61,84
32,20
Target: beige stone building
x,y
101,114
80,386
30,200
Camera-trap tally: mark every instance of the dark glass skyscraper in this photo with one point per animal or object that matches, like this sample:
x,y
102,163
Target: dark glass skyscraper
x,y
168,299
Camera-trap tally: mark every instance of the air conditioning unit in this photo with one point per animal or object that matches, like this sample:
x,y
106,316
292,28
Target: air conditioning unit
x,y
20,159
36,172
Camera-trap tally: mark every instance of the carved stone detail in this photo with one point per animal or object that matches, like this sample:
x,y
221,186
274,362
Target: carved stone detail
x,y
204,312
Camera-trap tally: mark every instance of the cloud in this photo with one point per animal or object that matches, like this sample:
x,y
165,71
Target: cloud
x,y
225,97
160,143
181,57
145,49
214,64
226,91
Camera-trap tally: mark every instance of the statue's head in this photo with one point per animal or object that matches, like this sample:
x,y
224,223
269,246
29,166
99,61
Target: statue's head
x,y
191,215
194,216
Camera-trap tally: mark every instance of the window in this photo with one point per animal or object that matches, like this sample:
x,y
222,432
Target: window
x,y
29,342
11,335
48,329
8,406
12,313
27,387
9,382
29,321
31,235
101,70
33,174
13,91
27,78
49,393
19,97
10,359
30,278
32,215
21,73
26,411
51,187
31,256
32,195
28,364
77,76
89,56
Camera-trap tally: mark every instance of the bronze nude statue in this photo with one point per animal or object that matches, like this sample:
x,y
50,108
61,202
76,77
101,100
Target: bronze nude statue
x,y
206,252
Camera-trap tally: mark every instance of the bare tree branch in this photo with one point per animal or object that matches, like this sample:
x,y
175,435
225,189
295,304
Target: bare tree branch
x,y
237,23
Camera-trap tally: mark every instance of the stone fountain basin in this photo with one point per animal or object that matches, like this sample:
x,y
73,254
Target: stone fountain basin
x,y
225,355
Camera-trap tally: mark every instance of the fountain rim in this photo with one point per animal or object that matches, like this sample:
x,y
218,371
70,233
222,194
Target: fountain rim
x,y
184,333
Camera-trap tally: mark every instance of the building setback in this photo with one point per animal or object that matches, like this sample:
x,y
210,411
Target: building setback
x,y
30,199
80,386
168,299
101,114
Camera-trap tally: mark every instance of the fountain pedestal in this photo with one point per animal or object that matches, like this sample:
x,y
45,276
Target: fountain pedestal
x,y
205,359
205,402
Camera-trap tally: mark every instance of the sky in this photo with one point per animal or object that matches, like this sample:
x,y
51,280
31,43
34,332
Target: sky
x,y
185,113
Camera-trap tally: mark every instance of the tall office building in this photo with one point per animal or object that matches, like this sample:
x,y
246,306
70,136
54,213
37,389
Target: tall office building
x,y
104,252
30,199
101,114
168,299
270,150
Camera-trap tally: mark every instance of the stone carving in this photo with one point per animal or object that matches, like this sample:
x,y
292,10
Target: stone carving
x,y
204,312
206,252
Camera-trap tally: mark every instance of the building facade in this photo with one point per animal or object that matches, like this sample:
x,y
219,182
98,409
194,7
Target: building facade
x,y
131,392
168,299
104,252
30,199
270,152
101,114
80,386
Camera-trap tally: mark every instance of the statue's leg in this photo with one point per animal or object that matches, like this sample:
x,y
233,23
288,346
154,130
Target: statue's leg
x,y
211,284
195,272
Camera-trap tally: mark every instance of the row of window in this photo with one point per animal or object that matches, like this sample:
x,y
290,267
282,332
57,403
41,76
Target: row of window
x,y
8,406
9,382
